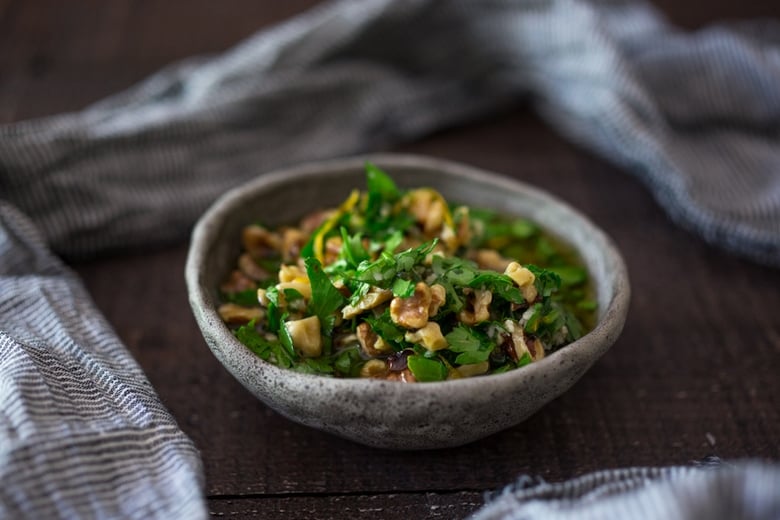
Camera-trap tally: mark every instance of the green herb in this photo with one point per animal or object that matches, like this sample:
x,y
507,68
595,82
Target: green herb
x,y
472,345
403,288
425,369
500,285
325,298
246,298
248,335
286,339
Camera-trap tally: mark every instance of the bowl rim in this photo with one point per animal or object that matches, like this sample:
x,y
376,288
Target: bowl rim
x,y
233,353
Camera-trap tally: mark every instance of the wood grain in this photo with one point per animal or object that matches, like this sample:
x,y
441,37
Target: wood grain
x,y
693,374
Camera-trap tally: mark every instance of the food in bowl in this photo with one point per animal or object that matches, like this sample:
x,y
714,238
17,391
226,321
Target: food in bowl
x,y
403,285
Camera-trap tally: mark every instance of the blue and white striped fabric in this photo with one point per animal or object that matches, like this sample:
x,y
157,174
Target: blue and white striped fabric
x,y
82,434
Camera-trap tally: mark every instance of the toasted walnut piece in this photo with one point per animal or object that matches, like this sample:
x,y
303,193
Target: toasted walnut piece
x,y
371,344
293,240
449,238
412,312
478,308
491,259
250,268
524,279
292,273
475,369
238,315
428,209
260,242
438,297
306,337
404,376
303,287
373,298
535,347
332,249
522,344
374,368
237,282
463,233
429,337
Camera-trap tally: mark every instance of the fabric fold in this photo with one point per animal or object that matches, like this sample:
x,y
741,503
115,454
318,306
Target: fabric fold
x,y
82,432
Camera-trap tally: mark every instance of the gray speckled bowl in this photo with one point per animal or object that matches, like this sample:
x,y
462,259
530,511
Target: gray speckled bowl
x,y
390,414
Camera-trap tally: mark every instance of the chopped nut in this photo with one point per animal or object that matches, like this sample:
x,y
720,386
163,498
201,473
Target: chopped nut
x,y
371,344
524,279
477,309
250,268
522,344
429,337
292,273
536,348
302,287
438,297
475,369
412,312
236,314
374,368
260,242
293,241
463,233
491,259
293,277
237,282
332,249
373,298
306,335
428,209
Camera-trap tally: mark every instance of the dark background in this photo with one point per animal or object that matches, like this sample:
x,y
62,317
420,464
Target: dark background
x,y
695,372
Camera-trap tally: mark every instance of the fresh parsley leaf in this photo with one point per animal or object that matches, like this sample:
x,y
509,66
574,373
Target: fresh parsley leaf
x,y
246,298
425,369
403,288
546,282
473,345
352,249
500,285
384,327
380,185
524,360
248,335
348,362
273,314
320,365
325,299
286,338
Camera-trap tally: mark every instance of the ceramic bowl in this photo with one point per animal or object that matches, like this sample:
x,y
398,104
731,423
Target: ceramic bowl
x,y
391,414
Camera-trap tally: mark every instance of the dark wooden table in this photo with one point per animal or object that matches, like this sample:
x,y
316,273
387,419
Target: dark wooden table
x,y
695,373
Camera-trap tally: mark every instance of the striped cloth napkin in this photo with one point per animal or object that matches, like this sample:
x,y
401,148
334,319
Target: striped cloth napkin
x,y
82,433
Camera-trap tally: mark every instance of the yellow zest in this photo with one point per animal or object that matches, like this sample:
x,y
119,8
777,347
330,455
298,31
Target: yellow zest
x,y
346,206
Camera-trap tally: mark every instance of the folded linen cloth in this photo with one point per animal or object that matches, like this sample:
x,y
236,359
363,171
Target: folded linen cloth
x,y
747,490
82,432
694,116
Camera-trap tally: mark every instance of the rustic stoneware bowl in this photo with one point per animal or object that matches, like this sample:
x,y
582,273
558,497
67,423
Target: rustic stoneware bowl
x,y
391,414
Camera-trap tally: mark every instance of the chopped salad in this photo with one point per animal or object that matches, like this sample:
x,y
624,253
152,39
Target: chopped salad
x,y
406,286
